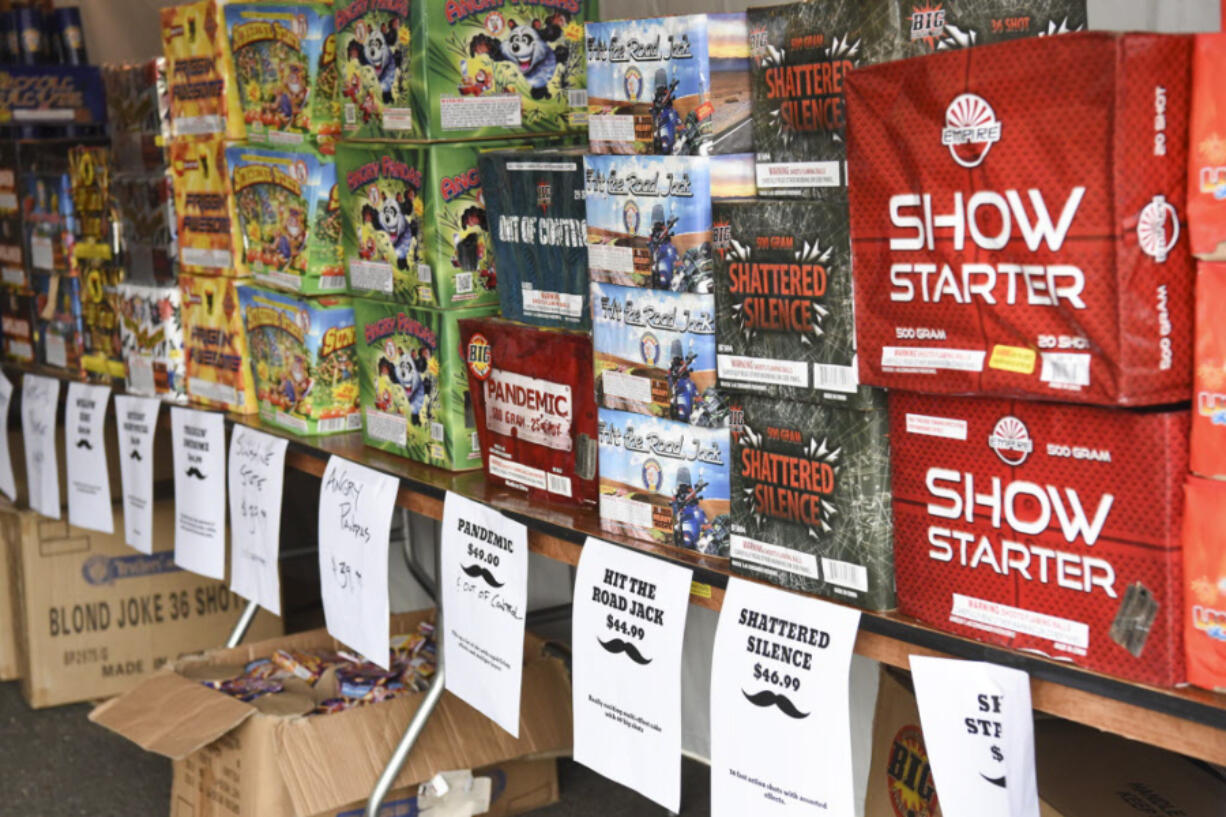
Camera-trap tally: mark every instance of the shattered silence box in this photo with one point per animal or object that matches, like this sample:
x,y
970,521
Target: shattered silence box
x,y
664,482
199,71
151,333
304,358
414,385
1044,527
216,345
206,221
536,412
811,499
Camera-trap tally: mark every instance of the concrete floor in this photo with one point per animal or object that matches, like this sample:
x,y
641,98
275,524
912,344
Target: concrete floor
x,y
55,762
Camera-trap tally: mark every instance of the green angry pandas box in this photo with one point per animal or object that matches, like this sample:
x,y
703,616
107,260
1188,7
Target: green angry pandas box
x,y
414,385
811,499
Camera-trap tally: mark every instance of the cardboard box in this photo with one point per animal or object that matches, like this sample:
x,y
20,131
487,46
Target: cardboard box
x,y
1044,527
97,617
1204,582
10,651
1021,239
199,70
151,331
261,764
206,221
218,357
516,787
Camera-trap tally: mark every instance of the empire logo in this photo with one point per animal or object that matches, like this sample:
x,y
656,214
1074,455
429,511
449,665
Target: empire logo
x,y
971,128
1010,439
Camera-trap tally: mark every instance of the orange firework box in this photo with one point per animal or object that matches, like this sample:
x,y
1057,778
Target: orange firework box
x,y
200,72
1208,455
218,373
1204,576
207,222
1207,150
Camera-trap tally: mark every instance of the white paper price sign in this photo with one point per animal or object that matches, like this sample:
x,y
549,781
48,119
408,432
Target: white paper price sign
x,y
89,481
355,521
8,485
485,596
628,625
257,477
39,398
979,730
199,442
781,705
136,419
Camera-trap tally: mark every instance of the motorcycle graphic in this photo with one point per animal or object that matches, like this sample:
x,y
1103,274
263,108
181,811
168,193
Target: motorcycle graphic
x,y
665,121
660,246
682,391
689,519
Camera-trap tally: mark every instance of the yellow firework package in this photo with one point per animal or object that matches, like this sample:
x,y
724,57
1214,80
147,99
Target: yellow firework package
x,y
207,223
200,72
216,345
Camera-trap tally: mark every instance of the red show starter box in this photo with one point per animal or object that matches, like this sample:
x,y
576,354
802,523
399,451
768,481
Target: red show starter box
x,y
1045,527
1015,216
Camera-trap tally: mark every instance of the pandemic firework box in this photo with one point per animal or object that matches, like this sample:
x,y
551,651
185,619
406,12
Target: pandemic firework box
x,y
953,24
1207,151
655,353
664,481
1204,582
216,352
537,216
536,411
60,325
669,85
414,386
1208,449
1044,527
811,499
200,72
205,218
1022,239
289,217
12,239
151,332
18,319
304,358
465,71
785,311
285,66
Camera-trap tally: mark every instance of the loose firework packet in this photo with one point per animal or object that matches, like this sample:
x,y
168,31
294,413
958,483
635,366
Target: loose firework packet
x,y
151,332
217,354
811,499
1208,449
200,72
206,220
1044,527
536,412
1204,571
1207,150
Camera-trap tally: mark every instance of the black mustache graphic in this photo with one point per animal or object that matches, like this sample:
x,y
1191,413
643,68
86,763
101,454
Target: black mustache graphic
x,y
995,781
616,645
135,455
476,571
767,698
195,472
84,444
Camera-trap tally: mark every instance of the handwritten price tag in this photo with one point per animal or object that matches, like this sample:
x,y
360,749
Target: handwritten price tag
x,y
257,478
355,521
199,441
8,485
39,398
89,481
136,420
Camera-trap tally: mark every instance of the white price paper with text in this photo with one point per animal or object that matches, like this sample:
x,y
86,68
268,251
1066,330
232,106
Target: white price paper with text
x,y
257,478
628,625
781,705
355,522
8,485
979,731
199,442
485,596
89,481
136,420
40,397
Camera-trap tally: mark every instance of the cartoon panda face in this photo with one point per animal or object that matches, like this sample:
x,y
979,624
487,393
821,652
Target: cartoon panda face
x,y
525,46
391,218
406,372
376,49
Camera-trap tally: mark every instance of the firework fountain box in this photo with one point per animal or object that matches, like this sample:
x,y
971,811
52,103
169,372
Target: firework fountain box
x,y
289,217
217,356
1204,573
61,328
1044,527
48,218
537,215
535,408
151,331
414,386
669,85
199,71
1207,151
811,499
952,24
1208,449
95,617
205,219
304,358
1019,238
93,259
664,481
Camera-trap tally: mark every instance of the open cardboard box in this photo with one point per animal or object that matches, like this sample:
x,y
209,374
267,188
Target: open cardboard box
x,y
257,762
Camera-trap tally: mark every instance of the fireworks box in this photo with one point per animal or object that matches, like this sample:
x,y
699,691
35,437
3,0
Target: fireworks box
x,y
18,317
289,217
1208,449
304,360
285,66
466,71
538,216
655,353
48,218
200,72
664,481
61,328
669,85
144,204
151,332
1044,527
133,115
953,24
414,386
205,219
1207,151
1067,282
12,238
217,357
1204,587
785,315
536,413
811,499
89,171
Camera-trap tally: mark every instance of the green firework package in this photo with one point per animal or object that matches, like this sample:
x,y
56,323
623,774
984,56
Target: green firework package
x,y
289,217
414,385
467,70
536,213
811,499
785,311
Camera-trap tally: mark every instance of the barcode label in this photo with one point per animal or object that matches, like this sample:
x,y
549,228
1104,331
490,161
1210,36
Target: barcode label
x,y
331,282
424,274
464,283
297,424
387,428
577,98
351,113
436,432
558,484
835,378
845,574
1066,370
474,442
330,425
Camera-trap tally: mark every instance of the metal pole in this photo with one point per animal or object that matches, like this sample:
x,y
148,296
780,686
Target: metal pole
x,y
242,625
